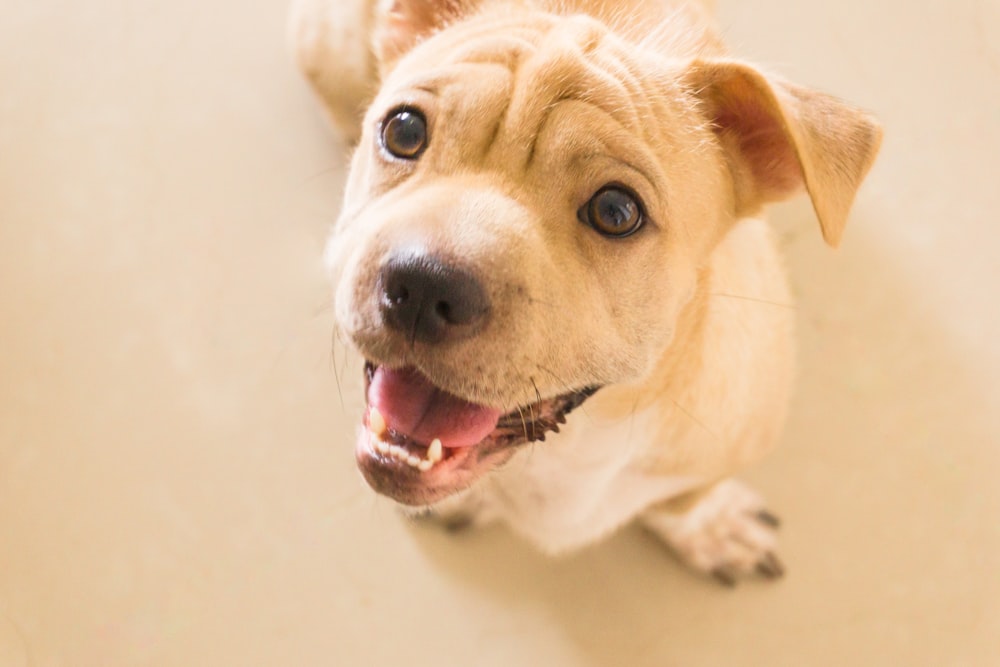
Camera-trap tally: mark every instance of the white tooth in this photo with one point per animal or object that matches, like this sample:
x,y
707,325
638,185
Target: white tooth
x,y
413,461
398,452
435,452
376,422
382,447
425,466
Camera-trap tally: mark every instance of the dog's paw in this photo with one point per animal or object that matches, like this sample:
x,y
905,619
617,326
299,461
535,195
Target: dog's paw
x,y
727,533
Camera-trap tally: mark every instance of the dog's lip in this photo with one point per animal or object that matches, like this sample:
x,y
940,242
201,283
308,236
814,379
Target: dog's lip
x,y
392,477
418,473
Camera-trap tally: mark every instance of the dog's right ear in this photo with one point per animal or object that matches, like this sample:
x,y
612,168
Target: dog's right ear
x,y
402,24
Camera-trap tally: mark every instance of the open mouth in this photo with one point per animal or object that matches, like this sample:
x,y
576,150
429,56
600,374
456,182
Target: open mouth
x,y
420,444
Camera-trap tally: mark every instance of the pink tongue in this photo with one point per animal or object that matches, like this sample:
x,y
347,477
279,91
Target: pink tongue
x,y
414,407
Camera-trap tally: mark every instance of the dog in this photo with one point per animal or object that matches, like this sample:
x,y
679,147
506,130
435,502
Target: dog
x,y
551,256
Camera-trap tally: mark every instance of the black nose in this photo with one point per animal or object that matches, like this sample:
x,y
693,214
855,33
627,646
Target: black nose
x,y
430,301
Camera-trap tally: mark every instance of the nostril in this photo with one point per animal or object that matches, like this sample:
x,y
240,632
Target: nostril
x,y
443,310
431,301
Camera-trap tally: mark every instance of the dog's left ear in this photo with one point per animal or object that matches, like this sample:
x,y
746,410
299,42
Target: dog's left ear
x,y
401,24
779,137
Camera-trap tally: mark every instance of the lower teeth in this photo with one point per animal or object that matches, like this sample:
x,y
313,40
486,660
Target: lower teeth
x,y
401,454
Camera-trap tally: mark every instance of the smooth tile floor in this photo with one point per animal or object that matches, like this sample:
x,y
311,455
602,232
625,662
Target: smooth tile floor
x,y
176,477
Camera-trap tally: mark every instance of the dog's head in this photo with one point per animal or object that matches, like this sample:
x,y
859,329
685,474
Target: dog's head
x,y
527,214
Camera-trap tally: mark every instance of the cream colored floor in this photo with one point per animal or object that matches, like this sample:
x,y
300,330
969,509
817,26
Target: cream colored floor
x,y
176,478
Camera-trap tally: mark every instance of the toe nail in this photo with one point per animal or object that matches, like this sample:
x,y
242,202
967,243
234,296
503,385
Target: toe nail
x,y
725,576
770,566
768,518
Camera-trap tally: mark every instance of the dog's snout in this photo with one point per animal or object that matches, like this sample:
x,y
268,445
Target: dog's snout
x,y
431,301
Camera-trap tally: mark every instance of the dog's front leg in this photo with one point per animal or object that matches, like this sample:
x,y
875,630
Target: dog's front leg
x,y
723,530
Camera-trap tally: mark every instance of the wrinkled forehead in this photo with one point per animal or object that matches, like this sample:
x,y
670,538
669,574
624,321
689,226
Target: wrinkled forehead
x,y
516,72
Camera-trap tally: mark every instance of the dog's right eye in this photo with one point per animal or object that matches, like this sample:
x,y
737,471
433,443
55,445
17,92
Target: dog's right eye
x,y
404,134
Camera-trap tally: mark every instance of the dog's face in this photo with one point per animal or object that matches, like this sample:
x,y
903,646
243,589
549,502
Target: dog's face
x,y
527,214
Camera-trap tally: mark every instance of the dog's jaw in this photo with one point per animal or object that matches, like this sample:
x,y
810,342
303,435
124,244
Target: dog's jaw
x,y
416,471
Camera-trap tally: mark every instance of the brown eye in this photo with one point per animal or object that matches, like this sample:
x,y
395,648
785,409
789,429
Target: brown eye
x,y
613,211
404,134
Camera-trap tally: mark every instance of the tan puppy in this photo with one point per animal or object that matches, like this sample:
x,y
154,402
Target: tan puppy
x,y
553,204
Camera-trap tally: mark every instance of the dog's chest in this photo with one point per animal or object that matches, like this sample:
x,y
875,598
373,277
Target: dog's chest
x,y
582,484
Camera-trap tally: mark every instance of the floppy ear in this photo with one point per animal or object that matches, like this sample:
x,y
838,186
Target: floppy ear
x,y
402,24
779,137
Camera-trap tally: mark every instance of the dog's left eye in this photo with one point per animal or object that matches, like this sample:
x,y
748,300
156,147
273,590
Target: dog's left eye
x,y
613,211
404,134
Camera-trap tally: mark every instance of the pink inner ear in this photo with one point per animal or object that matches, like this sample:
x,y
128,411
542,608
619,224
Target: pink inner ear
x,y
743,115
